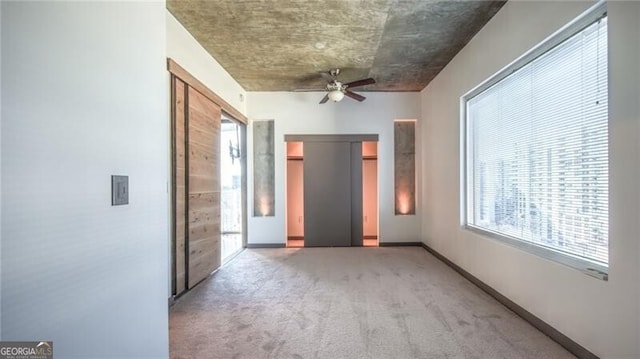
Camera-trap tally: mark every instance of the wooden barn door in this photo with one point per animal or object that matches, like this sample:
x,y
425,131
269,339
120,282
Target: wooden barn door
x,y
203,203
196,118
179,186
196,186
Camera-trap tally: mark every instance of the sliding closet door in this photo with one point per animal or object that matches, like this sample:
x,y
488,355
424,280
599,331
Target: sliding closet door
x,y
196,117
204,186
327,194
196,186
179,186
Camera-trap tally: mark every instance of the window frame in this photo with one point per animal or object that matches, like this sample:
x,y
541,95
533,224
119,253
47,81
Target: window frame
x,y
592,268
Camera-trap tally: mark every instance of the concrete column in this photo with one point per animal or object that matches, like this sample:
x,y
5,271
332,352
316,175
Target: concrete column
x,y
263,169
404,170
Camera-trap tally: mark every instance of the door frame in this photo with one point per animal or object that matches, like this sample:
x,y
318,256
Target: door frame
x,y
349,138
332,138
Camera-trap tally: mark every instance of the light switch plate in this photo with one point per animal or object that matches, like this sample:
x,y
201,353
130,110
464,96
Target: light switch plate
x,y
119,190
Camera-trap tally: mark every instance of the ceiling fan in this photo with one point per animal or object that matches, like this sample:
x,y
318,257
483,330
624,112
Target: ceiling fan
x,y
337,90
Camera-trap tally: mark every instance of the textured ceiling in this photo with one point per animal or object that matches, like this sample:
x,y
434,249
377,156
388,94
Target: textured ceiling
x,y
281,45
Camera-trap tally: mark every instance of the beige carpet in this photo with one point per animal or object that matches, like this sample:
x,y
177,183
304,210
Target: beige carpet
x,y
347,303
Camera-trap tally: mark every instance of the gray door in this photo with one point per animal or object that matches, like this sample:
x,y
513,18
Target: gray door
x,y
327,194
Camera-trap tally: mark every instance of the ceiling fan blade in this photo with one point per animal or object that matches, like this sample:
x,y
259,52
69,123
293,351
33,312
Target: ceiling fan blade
x,y
362,82
324,99
327,76
354,95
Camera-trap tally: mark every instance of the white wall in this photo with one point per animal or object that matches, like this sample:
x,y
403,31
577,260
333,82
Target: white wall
x,y
602,316
85,96
188,53
300,113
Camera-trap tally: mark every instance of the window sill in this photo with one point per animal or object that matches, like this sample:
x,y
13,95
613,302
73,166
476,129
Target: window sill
x,y
589,268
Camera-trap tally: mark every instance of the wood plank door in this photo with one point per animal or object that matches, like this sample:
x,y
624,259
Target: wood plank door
x,y
179,188
196,243
204,118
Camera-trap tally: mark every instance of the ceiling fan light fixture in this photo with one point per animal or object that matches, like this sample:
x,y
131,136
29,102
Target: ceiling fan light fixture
x,y
336,95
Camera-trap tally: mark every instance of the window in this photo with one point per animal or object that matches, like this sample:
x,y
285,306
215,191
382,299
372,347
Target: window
x,y
537,149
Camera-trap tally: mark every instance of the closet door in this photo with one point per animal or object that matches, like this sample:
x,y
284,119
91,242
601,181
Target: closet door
x,y
196,119
327,194
179,186
196,186
204,118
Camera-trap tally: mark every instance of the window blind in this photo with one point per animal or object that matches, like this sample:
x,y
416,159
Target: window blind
x,y
537,150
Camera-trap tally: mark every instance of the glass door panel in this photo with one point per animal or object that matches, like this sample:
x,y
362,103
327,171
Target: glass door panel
x,y
231,209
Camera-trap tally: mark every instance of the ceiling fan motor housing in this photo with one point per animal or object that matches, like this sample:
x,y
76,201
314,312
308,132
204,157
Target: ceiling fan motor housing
x,y
337,90
336,85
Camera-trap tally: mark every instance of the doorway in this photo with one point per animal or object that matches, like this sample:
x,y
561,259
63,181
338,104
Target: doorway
x,y
331,190
232,187
370,193
295,194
